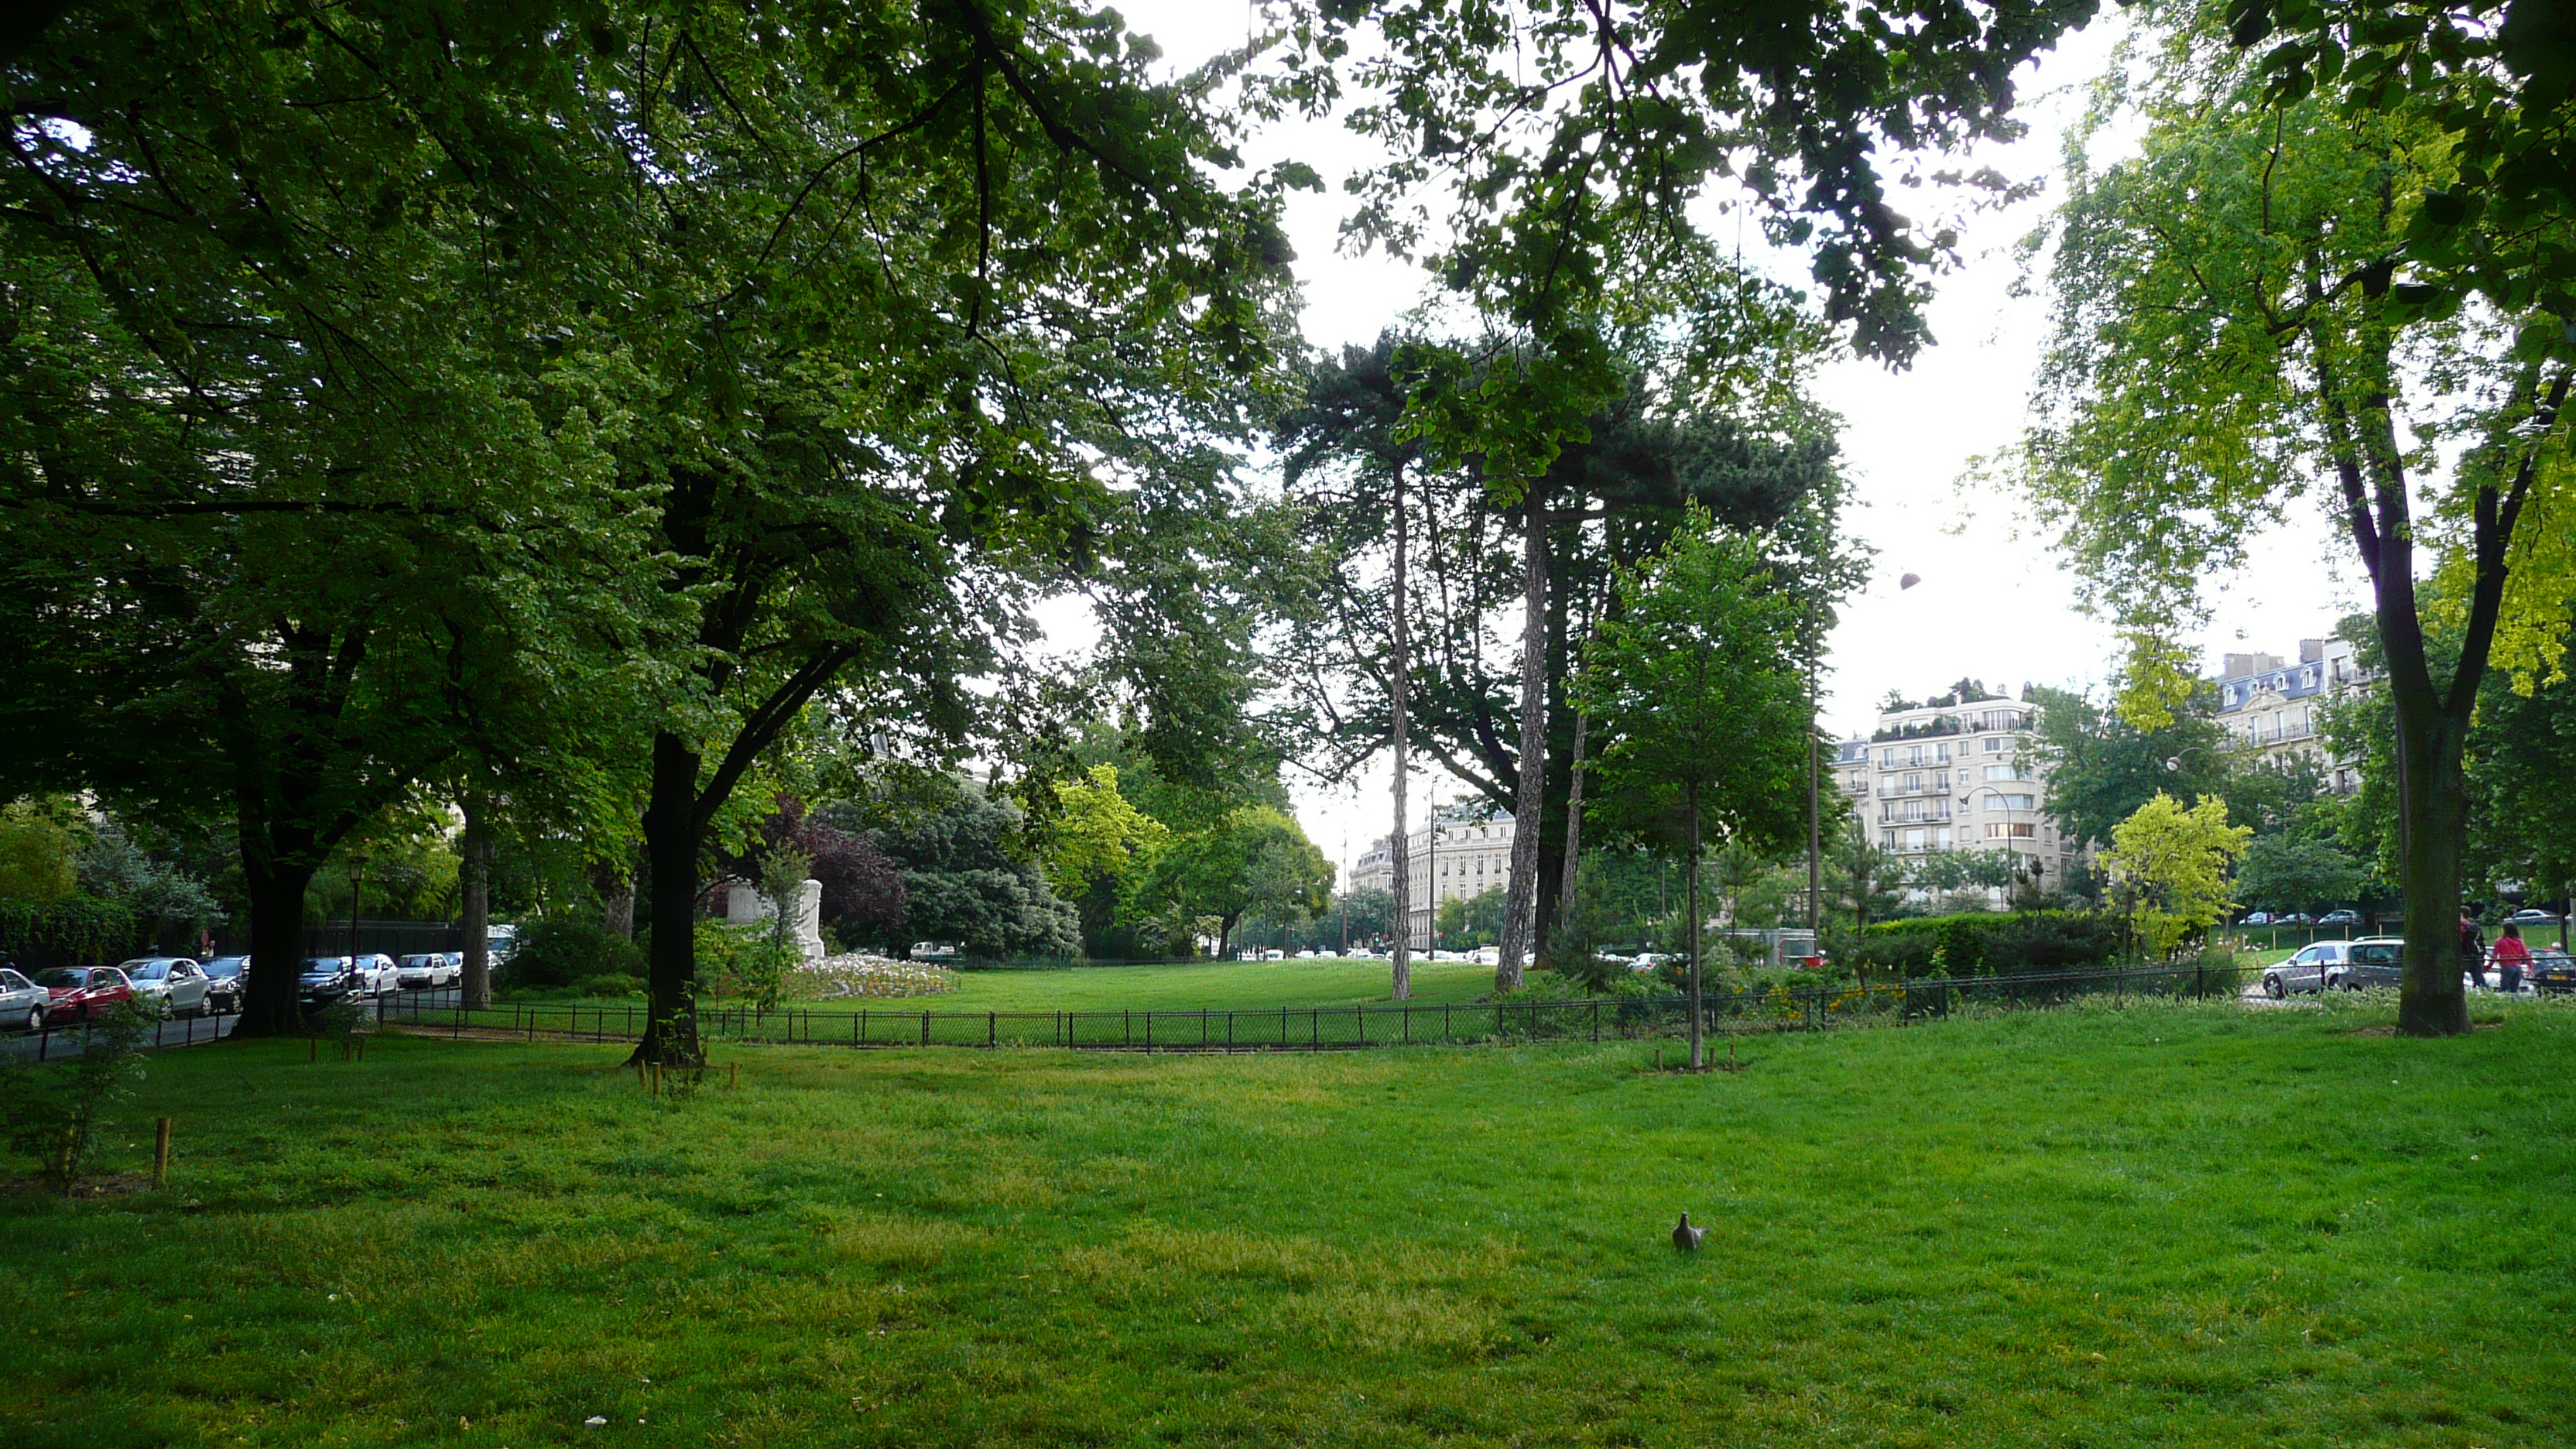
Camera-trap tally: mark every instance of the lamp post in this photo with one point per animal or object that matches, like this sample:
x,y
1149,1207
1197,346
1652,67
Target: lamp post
x,y
1969,800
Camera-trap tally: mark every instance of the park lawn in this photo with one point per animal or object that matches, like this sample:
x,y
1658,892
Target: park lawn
x,y
1211,985
2168,1225
1185,986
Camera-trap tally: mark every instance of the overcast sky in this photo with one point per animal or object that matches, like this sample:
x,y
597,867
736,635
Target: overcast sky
x,y
1994,601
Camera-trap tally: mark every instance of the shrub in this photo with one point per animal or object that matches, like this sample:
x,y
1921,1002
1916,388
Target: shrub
x,y
52,1114
1981,943
557,951
609,986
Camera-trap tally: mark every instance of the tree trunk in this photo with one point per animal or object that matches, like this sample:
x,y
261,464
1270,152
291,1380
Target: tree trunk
x,y
476,888
1698,1057
1529,807
1571,881
276,889
2433,803
617,903
671,838
1399,685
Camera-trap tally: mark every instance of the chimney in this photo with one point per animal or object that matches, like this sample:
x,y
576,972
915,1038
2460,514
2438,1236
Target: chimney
x,y
2312,651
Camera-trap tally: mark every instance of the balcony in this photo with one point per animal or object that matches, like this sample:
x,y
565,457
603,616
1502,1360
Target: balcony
x,y
1915,813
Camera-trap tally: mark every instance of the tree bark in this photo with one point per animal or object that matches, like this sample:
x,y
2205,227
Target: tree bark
x,y
1529,807
276,889
1399,680
1571,880
671,839
1698,1057
476,888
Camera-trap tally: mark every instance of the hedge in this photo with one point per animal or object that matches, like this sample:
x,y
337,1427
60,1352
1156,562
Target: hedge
x,y
1987,943
76,928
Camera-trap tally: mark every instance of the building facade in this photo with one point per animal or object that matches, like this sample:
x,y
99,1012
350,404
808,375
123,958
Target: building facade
x,y
1465,856
1959,776
2275,708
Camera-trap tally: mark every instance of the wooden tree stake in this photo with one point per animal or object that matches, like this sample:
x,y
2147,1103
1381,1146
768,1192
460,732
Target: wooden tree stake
x,y
160,1151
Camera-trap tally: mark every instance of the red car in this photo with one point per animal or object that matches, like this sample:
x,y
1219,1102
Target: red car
x,y
81,992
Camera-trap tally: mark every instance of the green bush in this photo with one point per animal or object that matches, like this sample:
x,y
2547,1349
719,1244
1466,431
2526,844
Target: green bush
x,y
1980,943
75,927
609,986
557,951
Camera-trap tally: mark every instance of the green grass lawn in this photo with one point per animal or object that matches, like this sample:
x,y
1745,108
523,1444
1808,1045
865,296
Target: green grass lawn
x,y
1214,985
2170,1225
1190,986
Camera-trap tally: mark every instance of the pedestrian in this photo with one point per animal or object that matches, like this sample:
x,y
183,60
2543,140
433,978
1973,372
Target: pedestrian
x,y
2473,949
2512,959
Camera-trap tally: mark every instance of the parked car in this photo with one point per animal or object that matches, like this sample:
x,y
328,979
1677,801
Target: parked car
x,y
326,979
22,1002
79,993
227,977
2551,971
2340,918
376,973
173,985
427,972
2533,916
2370,961
2256,918
1274,955
2294,918
2306,970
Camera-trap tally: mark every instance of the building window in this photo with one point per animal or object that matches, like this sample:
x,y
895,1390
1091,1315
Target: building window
x,y
2009,802
1914,840
2011,830
1994,746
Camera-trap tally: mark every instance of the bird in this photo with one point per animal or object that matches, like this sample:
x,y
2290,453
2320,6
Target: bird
x,y
1686,1237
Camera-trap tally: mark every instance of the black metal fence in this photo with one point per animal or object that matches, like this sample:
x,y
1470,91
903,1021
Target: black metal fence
x,y
1334,1028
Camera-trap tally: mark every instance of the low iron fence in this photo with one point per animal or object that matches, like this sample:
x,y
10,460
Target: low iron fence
x,y
1332,1028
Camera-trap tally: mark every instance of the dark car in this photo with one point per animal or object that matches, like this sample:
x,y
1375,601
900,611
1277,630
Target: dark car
x,y
2294,918
227,977
326,979
80,993
2551,971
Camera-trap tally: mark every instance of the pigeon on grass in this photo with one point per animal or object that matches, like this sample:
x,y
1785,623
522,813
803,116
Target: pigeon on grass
x,y
1686,1237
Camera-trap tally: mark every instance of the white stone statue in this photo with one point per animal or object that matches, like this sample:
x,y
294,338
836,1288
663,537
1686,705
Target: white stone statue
x,y
746,906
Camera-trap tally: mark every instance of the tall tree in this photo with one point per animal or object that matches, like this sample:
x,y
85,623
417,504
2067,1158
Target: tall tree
x,y
1695,686
1255,861
298,472
2240,312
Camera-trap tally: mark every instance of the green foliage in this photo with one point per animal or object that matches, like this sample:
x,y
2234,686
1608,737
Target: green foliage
x,y
75,927
38,842
1981,943
2168,867
52,1114
1254,860
2295,873
966,877
749,963
560,950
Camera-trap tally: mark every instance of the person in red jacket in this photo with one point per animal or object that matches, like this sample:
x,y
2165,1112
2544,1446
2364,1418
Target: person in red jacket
x,y
2512,958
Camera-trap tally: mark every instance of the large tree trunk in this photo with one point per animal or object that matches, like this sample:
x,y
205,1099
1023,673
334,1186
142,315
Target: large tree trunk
x,y
1698,1055
1399,688
1529,807
2433,822
475,872
276,888
671,970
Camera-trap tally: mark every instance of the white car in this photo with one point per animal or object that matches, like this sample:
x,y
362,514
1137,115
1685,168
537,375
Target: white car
x,y
173,985
1274,955
426,972
373,973
22,1002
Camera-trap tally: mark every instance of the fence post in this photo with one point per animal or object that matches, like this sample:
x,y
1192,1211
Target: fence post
x,y
1361,1013
992,1028
925,1028
1596,1023
1315,1030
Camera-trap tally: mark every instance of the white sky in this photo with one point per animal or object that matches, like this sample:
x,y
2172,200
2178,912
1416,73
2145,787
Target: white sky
x,y
1994,601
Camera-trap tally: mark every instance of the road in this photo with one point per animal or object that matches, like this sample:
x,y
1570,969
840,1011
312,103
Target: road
x,y
171,1033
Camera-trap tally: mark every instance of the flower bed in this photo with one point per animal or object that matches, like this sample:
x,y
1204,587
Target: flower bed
x,y
836,977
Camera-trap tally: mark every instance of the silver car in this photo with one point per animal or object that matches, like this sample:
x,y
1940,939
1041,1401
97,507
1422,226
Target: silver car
x,y
375,972
2307,970
428,971
2370,961
22,1002
172,985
